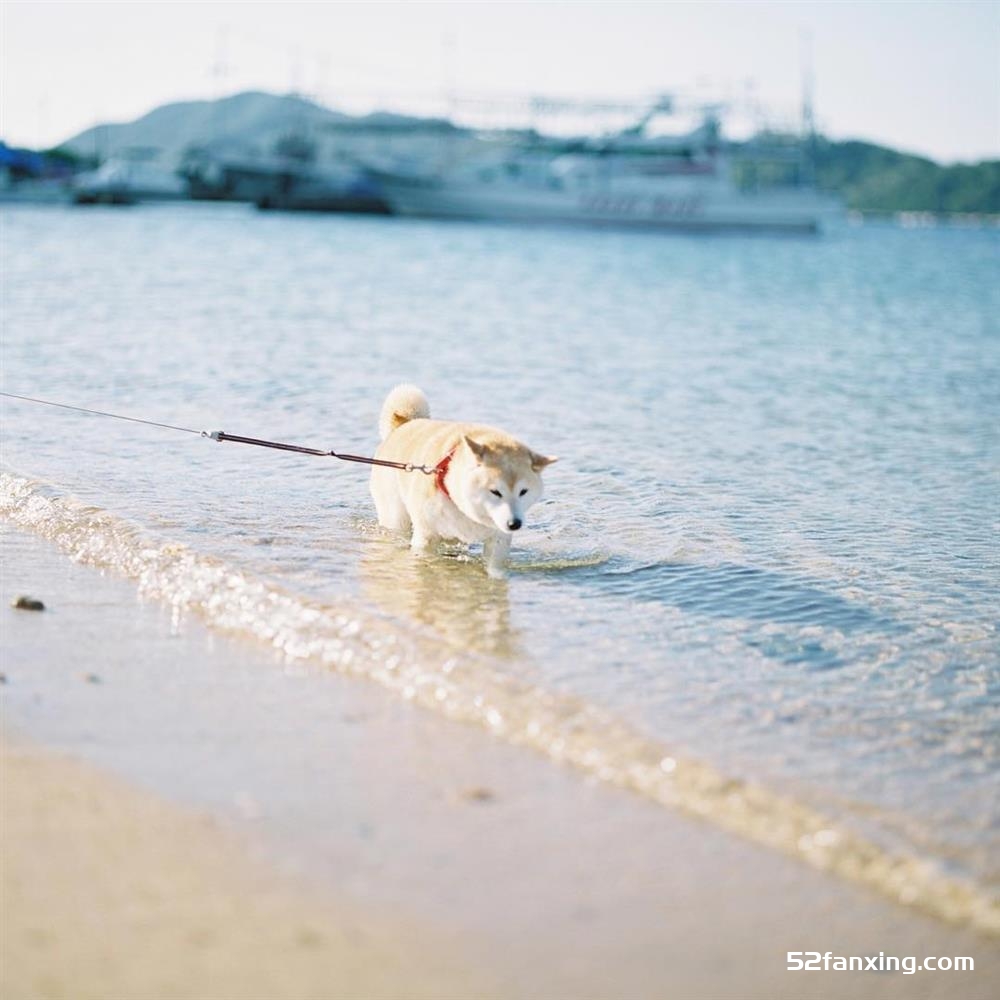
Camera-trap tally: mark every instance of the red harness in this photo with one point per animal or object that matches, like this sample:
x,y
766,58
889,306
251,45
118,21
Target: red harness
x,y
441,470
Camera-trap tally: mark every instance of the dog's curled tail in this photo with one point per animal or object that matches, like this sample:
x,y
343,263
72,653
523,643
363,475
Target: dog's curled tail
x,y
405,402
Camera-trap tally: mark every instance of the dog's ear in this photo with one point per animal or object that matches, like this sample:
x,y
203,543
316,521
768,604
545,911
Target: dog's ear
x,y
477,449
538,462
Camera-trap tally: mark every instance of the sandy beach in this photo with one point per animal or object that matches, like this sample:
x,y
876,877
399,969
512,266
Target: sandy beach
x,y
108,892
189,816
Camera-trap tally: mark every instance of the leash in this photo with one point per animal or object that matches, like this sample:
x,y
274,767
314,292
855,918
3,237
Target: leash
x,y
239,439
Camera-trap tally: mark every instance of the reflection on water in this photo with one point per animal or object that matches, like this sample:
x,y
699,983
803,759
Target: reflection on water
x,y
751,596
445,590
728,590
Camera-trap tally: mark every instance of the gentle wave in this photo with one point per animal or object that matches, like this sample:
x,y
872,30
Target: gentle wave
x,y
474,689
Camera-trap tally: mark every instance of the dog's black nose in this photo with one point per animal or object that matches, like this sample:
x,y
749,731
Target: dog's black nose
x,y
514,523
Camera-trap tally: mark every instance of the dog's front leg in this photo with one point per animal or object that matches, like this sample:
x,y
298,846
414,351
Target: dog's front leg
x,y
420,541
496,548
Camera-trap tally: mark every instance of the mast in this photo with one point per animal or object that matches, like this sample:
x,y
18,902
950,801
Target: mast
x,y
808,161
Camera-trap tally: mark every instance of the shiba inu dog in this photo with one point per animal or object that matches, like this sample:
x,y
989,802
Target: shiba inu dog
x,y
482,485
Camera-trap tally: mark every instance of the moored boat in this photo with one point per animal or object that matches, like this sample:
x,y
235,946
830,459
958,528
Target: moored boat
x,y
121,181
682,183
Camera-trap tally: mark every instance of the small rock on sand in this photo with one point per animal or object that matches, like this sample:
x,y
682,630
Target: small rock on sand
x,y
25,603
477,794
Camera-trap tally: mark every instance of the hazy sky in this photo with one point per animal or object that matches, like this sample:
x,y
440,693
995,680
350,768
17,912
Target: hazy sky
x,y
921,76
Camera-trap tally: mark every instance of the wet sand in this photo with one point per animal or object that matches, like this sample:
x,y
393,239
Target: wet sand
x,y
184,813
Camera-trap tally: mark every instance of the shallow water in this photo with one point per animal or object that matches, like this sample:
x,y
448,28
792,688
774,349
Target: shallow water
x,y
769,544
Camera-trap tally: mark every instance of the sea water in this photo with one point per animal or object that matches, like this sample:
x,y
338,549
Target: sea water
x,y
762,586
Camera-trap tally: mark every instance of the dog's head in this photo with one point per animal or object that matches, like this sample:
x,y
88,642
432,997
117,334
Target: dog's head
x,y
501,479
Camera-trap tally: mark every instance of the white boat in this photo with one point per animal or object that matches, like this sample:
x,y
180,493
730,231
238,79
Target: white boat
x,y
121,181
685,183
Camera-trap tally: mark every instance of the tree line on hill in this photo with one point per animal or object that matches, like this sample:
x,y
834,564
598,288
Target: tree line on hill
x,y
875,179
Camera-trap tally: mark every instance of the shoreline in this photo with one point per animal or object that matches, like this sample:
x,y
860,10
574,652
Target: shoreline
x,y
545,882
461,686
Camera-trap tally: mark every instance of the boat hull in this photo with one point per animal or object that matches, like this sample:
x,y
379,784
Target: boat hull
x,y
792,211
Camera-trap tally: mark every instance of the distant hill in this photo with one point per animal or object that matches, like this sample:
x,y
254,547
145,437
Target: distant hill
x,y
251,121
873,178
870,178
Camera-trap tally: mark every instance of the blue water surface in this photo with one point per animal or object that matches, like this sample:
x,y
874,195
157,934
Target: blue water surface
x,y
771,536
